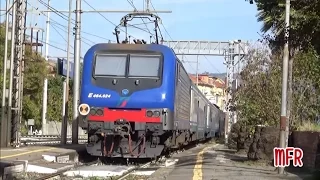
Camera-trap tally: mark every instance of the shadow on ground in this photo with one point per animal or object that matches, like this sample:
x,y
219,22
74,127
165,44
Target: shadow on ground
x,y
239,165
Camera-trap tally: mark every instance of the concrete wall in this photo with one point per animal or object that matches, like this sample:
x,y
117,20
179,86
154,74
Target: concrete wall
x,y
308,141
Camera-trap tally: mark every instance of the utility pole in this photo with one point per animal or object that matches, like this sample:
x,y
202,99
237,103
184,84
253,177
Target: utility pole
x,y
197,69
20,50
76,82
45,84
64,123
16,72
147,5
13,29
283,118
4,120
229,60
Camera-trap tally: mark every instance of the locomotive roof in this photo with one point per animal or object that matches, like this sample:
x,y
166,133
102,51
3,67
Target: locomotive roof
x,y
135,47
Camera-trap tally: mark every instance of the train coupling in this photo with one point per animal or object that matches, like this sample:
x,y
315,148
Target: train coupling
x,y
155,140
122,127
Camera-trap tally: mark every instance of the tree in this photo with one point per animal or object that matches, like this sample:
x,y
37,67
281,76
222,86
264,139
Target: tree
x,y
303,17
304,35
34,73
55,99
258,99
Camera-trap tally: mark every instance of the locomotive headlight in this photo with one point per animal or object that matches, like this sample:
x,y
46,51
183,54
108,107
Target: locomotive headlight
x,y
92,112
99,112
84,109
156,113
149,113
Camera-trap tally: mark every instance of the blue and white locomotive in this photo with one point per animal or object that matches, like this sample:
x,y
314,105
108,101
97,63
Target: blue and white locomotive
x,y
137,101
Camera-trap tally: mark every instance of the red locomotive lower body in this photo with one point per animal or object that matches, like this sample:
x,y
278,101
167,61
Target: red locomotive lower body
x,y
126,133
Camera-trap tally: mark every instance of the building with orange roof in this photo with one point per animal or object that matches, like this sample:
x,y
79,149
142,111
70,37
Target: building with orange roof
x,y
212,87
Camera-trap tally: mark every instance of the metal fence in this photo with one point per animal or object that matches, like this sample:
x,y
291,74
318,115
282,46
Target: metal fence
x,y
54,128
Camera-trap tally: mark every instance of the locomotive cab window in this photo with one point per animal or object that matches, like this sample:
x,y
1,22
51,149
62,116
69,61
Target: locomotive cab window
x,y
110,65
147,66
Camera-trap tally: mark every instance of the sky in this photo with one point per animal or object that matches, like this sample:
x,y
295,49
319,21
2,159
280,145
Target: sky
x,y
210,20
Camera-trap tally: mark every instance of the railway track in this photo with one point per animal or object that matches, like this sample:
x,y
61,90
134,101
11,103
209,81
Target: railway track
x,y
60,173
47,142
46,139
139,165
49,136
131,171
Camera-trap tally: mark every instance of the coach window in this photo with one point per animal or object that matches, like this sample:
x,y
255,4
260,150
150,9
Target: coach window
x,y
110,65
144,66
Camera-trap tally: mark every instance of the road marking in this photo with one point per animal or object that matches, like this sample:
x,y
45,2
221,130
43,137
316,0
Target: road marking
x,y
24,153
197,170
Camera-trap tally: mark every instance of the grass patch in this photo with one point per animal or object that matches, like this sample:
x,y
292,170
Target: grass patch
x,y
220,140
258,163
136,177
309,126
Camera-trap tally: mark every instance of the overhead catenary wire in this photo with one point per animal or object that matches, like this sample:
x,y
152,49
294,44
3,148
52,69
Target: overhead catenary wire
x,y
104,17
134,7
171,37
63,16
64,26
147,31
212,64
66,40
172,40
56,47
59,26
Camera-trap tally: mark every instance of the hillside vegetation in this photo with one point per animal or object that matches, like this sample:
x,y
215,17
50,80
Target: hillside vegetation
x,y
259,99
34,74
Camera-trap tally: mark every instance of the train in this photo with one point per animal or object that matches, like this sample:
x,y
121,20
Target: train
x,y
138,101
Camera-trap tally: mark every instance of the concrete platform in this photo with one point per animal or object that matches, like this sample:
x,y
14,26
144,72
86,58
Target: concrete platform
x,y
48,168
32,158
215,162
99,171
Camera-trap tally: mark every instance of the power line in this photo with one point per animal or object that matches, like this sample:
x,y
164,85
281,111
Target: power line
x,y
59,33
171,37
106,18
63,16
64,26
172,40
67,32
212,64
57,23
132,4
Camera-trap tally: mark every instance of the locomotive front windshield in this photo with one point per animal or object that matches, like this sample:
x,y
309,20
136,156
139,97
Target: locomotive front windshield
x,y
127,65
